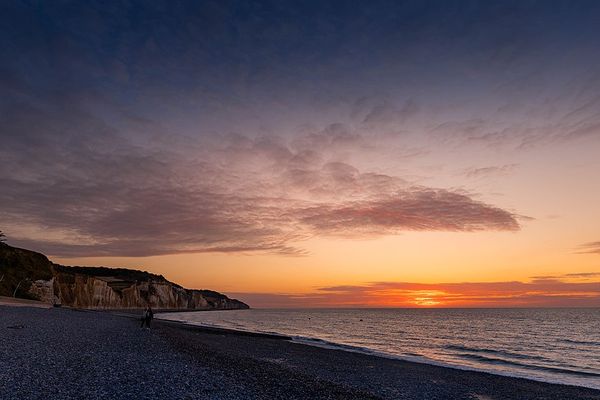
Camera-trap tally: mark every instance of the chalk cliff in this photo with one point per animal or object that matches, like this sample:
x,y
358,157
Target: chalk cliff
x,y
32,275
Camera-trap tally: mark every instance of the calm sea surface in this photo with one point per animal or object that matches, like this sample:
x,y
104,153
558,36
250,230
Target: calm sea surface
x,y
553,345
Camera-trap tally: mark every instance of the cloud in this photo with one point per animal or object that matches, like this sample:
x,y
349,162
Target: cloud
x,y
415,208
383,114
537,293
128,138
496,170
89,192
590,247
570,276
82,182
569,115
583,275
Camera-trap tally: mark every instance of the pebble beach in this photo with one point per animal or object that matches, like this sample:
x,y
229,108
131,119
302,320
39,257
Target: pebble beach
x,y
58,353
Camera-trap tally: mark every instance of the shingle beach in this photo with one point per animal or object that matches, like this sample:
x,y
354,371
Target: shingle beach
x,y
59,353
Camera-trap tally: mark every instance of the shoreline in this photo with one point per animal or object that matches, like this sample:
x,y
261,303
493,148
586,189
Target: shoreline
x,y
65,353
324,344
19,302
510,385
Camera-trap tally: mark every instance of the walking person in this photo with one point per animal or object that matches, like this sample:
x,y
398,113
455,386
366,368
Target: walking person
x,y
147,316
144,314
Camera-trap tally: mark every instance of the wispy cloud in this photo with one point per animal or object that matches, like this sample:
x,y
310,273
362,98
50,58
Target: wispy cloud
x,y
495,170
590,247
583,275
570,276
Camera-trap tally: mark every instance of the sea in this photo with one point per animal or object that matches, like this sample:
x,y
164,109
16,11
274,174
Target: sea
x,y
550,345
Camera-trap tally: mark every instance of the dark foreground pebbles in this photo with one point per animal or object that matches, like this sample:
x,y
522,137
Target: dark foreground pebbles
x,y
69,354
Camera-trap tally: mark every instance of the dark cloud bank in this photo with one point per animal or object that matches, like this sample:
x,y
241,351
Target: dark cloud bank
x,y
254,195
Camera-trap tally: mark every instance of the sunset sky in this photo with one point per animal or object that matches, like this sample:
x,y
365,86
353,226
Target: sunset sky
x,y
380,153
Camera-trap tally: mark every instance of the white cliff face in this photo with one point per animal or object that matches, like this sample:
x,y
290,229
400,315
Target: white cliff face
x,y
82,291
99,287
44,290
85,292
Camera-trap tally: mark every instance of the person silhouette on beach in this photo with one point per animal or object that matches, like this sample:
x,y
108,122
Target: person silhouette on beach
x,y
144,314
147,317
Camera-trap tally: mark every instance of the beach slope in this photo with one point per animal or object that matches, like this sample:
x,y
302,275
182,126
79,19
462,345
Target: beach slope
x,y
64,353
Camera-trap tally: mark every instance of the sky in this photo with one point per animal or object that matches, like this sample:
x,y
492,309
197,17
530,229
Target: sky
x,y
310,154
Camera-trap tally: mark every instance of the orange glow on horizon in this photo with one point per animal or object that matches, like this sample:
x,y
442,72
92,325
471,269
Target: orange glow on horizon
x,y
484,269
536,293
428,298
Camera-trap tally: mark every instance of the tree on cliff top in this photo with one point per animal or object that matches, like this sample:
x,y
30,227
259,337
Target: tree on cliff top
x,y
2,237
